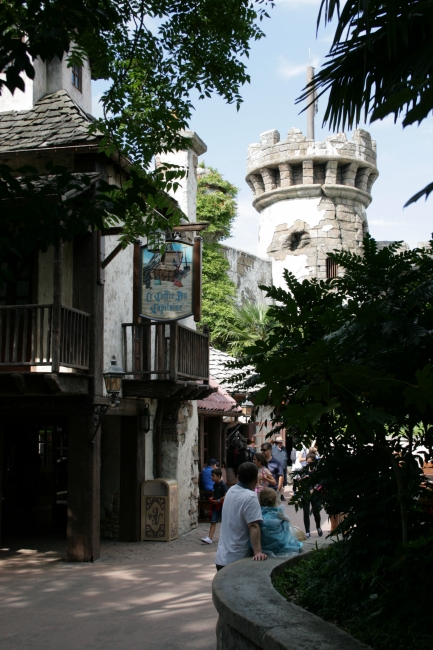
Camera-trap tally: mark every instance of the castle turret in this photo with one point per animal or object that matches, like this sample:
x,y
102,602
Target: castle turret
x,y
311,197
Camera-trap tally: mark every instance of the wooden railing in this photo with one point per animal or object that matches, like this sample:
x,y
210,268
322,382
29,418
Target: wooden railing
x,y
74,338
26,336
160,351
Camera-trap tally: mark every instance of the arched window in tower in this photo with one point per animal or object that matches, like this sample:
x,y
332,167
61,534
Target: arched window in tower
x,y
331,269
77,77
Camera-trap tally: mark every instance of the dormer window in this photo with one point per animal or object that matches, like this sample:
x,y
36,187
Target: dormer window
x,y
77,75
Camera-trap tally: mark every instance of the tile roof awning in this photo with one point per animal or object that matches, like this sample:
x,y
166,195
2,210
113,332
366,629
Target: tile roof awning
x,y
218,403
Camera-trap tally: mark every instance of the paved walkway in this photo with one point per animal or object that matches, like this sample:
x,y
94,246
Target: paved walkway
x,y
139,595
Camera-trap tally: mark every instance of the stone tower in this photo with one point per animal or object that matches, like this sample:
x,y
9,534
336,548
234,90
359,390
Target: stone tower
x,y
311,197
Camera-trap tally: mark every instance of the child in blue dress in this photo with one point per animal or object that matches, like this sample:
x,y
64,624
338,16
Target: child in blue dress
x,y
278,537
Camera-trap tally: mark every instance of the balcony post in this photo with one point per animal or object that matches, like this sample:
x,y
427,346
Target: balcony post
x,y
174,349
57,307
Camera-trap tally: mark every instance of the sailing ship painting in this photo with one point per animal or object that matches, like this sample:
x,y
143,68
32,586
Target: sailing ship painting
x,y
167,281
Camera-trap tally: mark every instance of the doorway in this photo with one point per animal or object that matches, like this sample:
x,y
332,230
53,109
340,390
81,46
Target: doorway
x,y
35,476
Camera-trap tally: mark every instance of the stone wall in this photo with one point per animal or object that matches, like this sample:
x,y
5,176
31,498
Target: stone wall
x,y
248,271
311,197
268,622
180,457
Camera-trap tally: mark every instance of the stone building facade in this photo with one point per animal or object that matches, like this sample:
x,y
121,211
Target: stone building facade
x,y
248,272
312,198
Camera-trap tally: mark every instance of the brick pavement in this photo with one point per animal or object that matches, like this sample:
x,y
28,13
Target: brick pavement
x,y
137,595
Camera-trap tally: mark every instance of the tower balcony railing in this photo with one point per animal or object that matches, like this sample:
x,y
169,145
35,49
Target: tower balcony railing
x,y
29,338
165,351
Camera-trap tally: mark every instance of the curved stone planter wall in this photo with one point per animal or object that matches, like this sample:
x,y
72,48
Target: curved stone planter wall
x,y
254,616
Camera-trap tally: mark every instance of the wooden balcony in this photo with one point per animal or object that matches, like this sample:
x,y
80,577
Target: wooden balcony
x,y
32,336
166,360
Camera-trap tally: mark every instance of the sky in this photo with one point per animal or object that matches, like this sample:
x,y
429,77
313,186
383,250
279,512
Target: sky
x,y
277,66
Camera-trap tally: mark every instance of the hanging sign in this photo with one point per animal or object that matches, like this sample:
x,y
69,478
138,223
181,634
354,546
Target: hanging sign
x,y
167,281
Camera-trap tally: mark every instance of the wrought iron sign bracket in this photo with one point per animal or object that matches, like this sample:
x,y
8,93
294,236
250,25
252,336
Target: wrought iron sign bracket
x,y
99,411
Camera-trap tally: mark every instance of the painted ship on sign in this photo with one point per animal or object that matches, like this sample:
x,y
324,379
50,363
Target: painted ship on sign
x,y
167,272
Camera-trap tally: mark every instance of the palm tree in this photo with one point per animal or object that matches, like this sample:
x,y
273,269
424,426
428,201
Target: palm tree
x,y
250,323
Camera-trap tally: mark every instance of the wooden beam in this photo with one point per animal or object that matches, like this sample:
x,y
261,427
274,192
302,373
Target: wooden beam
x,y
57,307
182,227
111,256
100,270
84,460
197,288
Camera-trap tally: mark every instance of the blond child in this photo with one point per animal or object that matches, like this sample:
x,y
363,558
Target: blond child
x,y
277,535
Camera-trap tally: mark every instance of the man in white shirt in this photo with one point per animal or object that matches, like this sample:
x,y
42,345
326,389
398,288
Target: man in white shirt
x,y
240,520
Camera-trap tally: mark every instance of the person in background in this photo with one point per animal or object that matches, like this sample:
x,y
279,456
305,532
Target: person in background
x,y
219,492
300,462
279,452
292,464
311,500
264,477
251,450
274,467
240,524
206,483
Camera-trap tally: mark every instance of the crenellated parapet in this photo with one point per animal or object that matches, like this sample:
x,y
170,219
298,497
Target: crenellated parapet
x,y
297,167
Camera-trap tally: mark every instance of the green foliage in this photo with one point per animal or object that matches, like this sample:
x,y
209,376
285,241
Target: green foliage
x,y
216,203
380,63
196,46
348,363
32,215
387,608
218,294
250,322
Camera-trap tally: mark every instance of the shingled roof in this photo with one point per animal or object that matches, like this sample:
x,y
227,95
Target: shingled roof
x,y
219,403
54,121
218,371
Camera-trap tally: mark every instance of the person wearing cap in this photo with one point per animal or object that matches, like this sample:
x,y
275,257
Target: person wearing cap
x,y
206,483
279,452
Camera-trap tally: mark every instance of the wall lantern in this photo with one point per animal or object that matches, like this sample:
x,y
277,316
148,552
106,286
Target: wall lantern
x,y
113,379
247,407
145,419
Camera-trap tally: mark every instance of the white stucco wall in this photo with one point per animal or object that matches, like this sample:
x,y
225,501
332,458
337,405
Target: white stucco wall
x,y
49,77
59,76
186,193
286,212
118,298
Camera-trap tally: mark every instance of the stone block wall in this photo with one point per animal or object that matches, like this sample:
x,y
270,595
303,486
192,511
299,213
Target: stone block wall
x,y
311,197
248,272
180,457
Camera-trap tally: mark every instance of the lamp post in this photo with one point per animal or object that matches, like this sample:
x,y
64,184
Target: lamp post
x,y
145,419
113,380
247,407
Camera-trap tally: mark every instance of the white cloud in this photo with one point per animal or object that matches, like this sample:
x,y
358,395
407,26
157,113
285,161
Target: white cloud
x,y
288,70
